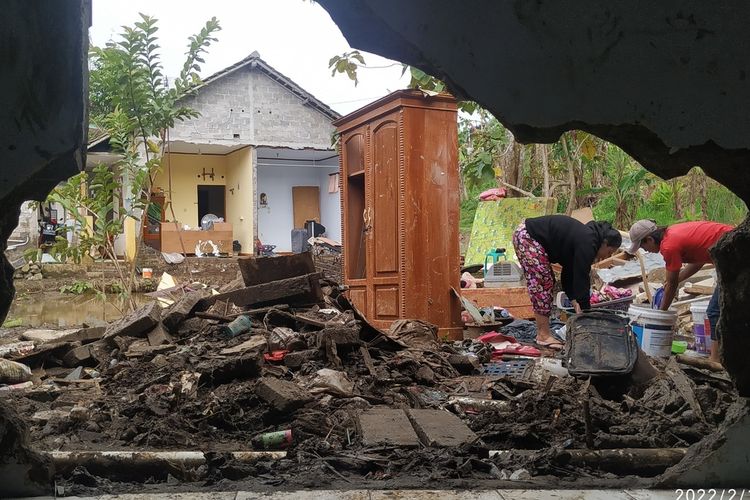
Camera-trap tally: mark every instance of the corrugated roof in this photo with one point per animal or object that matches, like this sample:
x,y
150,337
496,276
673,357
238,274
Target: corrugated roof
x,y
254,61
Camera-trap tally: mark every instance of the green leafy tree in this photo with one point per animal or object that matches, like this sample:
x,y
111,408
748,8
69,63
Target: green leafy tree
x,y
580,169
130,99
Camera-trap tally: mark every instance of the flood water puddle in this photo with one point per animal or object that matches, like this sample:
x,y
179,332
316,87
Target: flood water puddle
x,y
68,310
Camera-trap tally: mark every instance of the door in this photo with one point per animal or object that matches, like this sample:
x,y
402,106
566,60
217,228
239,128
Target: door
x,y
384,273
306,203
210,201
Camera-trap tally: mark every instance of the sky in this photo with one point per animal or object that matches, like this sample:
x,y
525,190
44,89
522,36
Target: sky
x,y
296,37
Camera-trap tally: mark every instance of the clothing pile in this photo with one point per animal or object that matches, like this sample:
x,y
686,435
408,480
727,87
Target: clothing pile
x,y
609,292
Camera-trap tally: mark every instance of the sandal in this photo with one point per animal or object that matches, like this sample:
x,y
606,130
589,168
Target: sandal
x,y
555,345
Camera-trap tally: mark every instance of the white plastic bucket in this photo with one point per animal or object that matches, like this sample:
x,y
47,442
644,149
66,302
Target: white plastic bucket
x,y
701,327
654,329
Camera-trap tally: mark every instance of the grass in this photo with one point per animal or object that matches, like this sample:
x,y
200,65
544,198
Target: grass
x,y
12,323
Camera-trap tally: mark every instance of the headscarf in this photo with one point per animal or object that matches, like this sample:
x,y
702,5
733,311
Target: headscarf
x,y
600,230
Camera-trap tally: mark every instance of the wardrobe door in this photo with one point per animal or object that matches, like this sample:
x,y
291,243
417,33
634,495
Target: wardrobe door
x,y
385,257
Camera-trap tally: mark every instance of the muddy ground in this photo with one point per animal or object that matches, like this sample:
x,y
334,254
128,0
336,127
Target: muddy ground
x,y
190,393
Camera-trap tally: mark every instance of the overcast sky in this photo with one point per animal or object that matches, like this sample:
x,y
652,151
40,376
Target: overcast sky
x,y
294,36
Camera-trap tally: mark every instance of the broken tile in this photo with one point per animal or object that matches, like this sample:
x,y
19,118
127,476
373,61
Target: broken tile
x,y
439,428
282,395
387,427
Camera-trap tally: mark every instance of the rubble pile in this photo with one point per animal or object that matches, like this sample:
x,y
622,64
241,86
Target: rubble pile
x,y
282,361
29,271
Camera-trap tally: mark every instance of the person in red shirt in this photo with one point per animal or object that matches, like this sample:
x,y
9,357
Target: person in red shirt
x,y
686,243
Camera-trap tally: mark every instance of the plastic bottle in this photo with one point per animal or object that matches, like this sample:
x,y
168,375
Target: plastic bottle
x,y
240,324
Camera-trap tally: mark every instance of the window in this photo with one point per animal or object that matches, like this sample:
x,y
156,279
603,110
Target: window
x,y
333,183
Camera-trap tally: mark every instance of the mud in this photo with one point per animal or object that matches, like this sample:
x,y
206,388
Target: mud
x,y
189,396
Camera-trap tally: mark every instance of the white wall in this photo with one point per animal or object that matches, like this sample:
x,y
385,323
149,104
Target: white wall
x,y
330,206
275,222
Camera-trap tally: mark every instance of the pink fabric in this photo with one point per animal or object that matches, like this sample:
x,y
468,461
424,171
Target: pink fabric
x,y
536,268
493,194
492,337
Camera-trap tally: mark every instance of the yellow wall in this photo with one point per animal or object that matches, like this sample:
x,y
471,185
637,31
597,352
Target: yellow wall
x,y
186,170
240,197
237,171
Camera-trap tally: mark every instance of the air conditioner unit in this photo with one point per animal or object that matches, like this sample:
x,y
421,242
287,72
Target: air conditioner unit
x,y
501,272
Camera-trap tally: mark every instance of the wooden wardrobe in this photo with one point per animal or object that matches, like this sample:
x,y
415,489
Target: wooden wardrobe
x,y
400,209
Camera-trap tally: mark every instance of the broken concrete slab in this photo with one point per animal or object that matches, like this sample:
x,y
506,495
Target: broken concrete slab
x,y
238,367
255,342
136,324
87,335
47,415
180,310
191,326
44,336
296,359
298,290
387,427
282,395
142,348
259,270
159,336
76,374
79,356
439,428
339,335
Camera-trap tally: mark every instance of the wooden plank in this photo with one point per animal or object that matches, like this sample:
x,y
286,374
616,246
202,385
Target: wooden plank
x,y
705,287
259,270
616,259
697,362
298,290
515,299
685,387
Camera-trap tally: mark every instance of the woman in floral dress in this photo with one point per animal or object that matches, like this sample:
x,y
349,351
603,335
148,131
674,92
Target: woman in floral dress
x,y
559,239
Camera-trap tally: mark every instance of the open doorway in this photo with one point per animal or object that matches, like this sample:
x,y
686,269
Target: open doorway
x,y
211,200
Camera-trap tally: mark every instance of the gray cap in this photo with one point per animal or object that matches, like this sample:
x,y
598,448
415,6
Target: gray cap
x,y
638,231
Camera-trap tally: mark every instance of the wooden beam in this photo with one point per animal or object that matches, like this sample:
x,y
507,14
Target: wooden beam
x,y
298,290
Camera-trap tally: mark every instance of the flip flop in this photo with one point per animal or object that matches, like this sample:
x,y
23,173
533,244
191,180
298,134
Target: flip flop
x,y
514,348
555,345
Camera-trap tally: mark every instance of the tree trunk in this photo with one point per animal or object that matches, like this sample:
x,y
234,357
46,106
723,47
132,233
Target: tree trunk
x,y
678,213
541,151
513,167
703,188
571,177
693,189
